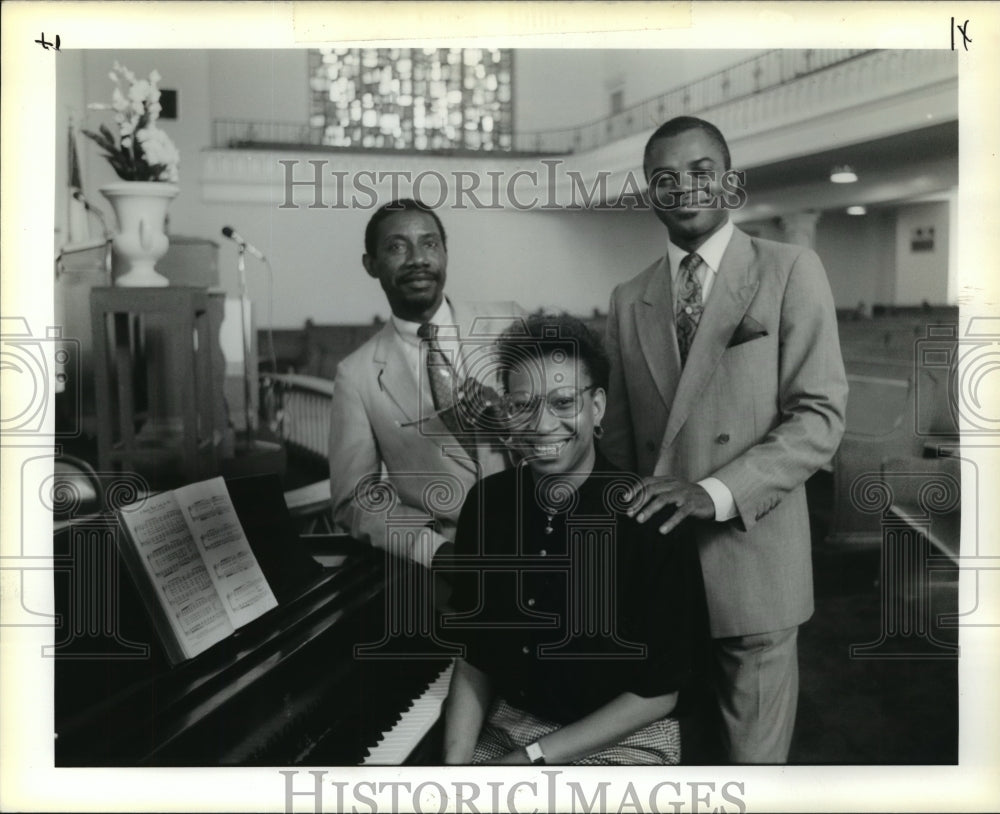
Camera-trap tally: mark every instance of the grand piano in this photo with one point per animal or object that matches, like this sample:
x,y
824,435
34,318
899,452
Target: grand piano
x,y
323,679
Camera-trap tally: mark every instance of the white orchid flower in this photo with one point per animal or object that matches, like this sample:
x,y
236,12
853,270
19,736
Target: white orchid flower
x,y
130,103
118,101
139,91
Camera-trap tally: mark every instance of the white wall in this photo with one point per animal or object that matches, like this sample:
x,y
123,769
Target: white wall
x,y
558,89
859,255
568,260
922,275
259,85
551,259
868,258
185,71
541,259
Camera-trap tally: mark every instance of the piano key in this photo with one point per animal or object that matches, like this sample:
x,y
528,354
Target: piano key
x,y
395,744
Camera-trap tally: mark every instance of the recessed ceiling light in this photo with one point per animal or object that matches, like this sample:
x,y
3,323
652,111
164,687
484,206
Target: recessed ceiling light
x,y
843,175
857,210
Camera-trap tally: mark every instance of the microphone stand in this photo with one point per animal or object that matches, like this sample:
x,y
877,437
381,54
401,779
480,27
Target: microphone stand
x,y
242,268
252,457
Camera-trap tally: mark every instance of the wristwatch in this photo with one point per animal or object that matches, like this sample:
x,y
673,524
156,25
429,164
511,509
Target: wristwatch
x,y
535,753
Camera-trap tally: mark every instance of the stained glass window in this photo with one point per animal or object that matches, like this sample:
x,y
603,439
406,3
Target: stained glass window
x,y
412,98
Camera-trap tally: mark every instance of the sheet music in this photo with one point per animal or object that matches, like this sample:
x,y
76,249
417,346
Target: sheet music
x,y
232,567
168,552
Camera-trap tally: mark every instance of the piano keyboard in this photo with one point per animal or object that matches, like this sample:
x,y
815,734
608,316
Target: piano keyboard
x,y
396,743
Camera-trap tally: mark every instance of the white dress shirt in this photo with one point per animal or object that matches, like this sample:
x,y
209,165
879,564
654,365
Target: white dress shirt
x,y
710,252
409,341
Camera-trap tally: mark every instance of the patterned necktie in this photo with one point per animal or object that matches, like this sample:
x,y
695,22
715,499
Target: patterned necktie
x,y
440,373
689,306
443,382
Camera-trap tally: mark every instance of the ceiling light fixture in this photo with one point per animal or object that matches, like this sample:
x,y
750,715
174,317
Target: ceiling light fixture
x,y
843,174
857,210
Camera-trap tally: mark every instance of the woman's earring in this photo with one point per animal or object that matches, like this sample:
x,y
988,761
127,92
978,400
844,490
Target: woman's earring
x,y
598,432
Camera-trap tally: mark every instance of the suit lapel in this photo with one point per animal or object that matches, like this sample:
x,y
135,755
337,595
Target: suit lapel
x,y
654,316
396,378
733,289
399,382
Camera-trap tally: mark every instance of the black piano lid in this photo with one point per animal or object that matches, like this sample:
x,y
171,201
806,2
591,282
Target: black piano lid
x,y
286,689
105,685
283,557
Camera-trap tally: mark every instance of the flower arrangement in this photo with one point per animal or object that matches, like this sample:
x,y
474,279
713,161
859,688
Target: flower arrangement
x,y
141,152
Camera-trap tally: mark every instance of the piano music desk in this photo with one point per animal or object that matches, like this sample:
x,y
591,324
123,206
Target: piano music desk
x,y
284,690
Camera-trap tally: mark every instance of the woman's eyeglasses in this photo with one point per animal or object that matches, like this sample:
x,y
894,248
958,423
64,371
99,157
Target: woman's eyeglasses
x,y
521,409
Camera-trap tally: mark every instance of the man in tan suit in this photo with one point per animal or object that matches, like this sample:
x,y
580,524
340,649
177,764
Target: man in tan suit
x,y
727,392
402,456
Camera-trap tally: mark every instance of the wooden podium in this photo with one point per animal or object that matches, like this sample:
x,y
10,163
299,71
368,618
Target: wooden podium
x,y
155,380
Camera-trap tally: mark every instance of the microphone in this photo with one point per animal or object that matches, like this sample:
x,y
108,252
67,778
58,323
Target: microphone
x,y
236,237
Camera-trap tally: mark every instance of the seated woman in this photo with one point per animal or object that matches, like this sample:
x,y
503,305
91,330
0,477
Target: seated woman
x,y
580,625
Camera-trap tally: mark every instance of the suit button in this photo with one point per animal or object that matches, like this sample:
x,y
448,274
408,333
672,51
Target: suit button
x,y
650,446
531,603
525,650
722,439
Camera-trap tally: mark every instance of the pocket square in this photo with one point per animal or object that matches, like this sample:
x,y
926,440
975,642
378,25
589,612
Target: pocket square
x,y
747,330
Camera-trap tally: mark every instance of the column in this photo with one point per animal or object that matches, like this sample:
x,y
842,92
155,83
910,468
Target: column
x,y
800,228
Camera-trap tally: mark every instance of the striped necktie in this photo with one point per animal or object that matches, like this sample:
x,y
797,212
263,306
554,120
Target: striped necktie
x,y
689,305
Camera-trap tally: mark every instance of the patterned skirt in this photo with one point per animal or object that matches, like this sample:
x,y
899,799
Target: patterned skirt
x,y
508,728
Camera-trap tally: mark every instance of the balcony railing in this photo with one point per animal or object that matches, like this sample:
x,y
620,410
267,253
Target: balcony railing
x,y
297,409
766,71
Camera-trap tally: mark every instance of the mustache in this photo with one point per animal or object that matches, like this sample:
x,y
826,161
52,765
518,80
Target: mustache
x,y
419,273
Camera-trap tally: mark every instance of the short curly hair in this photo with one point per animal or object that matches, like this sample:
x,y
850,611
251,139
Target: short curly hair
x,y
682,124
542,334
393,208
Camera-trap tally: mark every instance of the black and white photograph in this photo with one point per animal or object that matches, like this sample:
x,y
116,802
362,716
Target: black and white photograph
x,y
398,393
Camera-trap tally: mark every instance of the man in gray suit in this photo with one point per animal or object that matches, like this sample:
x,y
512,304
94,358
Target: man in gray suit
x,y
727,392
403,450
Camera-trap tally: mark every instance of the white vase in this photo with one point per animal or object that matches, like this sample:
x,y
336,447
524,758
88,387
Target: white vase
x,y
141,210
